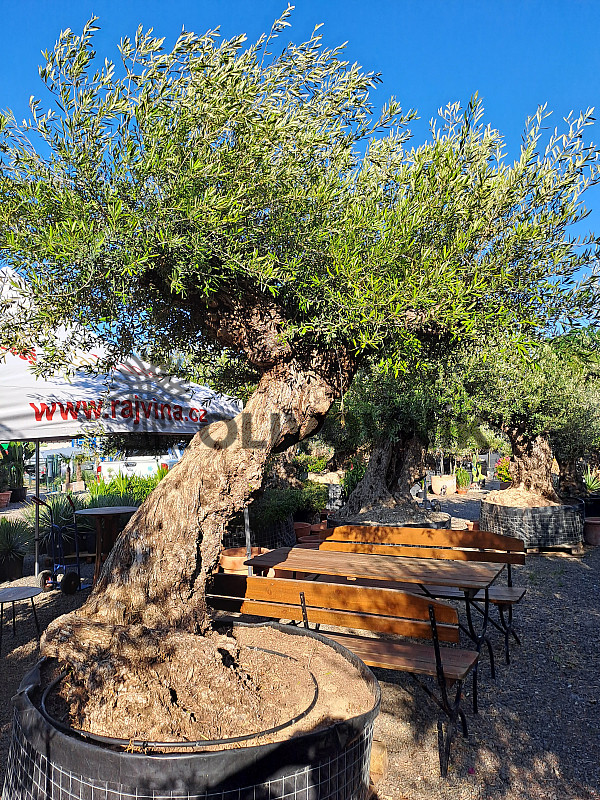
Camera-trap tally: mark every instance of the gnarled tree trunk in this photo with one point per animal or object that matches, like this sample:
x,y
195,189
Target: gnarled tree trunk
x,y
394,467
570,478
156,575
531,463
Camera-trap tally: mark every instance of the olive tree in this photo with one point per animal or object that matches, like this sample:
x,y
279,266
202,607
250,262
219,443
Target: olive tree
x,y
546,406
215,196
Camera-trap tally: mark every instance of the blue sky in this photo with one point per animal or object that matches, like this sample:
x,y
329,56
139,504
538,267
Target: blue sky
x,y
515,53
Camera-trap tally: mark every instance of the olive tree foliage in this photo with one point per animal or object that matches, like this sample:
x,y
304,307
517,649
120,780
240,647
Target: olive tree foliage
x,y
546,405
151,190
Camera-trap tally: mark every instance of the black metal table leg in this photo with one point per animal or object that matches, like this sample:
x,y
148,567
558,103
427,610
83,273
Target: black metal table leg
x,y
37,624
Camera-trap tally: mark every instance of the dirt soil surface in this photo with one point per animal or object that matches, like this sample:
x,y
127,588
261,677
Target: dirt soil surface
x,y
537,734
226,685
519,497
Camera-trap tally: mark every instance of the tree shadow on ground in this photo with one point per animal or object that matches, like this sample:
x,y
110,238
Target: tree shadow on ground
x,y
538,731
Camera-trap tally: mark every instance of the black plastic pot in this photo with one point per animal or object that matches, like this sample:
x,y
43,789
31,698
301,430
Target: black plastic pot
x,y
11,568
18,495
542,526
592,505
329,764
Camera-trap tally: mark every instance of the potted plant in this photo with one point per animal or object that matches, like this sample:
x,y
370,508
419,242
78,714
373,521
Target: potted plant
x,y
15,456
5,492
15,542
463,480
592,492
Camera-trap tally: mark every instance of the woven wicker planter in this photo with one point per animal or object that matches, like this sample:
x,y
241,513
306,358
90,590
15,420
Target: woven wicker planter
x,y
542,526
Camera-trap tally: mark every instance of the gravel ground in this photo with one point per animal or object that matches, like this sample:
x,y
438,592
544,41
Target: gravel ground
x,y
537,735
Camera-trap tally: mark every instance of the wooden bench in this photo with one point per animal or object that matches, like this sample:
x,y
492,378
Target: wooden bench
x,y
381,611
443,544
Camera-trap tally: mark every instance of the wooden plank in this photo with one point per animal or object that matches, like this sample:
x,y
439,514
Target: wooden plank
x,y
364,600
453,554
437,537
463,574
408,657
341,619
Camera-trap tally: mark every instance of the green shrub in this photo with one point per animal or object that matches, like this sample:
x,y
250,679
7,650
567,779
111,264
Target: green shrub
x,y
353,475
135,487
463,478
62,513
274,505
314,497
308,462
16,538
592,481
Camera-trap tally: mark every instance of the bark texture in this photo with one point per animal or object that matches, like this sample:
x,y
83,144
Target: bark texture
x,y
531,464
394,467
155,576
570,479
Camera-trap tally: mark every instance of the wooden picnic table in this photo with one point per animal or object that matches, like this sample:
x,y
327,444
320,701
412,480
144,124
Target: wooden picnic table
x,y
469,576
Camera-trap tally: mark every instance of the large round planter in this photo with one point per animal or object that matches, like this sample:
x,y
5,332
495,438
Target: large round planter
x,y
329,764
541,526
443,484
591,530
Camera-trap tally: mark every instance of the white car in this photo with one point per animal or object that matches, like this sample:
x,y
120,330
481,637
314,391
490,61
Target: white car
x,y
144,466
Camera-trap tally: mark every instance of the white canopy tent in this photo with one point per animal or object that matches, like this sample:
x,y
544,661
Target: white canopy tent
x,y
135,397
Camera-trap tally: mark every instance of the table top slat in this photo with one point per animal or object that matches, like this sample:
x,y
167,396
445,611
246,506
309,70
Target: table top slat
x,y
464,574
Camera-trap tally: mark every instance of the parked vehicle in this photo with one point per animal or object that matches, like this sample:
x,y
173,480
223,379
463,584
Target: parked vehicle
x,y
142,465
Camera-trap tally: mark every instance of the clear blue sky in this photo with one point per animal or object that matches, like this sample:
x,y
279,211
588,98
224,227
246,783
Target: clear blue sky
x,y
515,53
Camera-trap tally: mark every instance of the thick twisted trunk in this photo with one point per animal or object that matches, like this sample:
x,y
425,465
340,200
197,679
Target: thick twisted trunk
x,y
531,464
394,467
155,576
570,479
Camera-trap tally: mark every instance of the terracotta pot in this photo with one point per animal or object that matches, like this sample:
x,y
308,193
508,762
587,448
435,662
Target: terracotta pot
x,y
302,529
232,560
4,499
319,526
461,490
591,530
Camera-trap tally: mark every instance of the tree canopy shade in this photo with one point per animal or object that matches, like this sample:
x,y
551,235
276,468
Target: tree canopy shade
x,y
218,197
212,191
